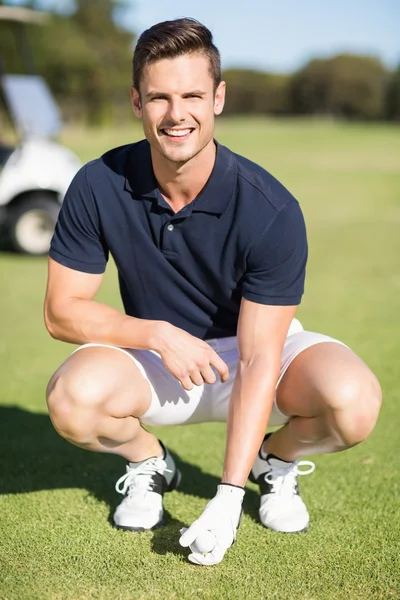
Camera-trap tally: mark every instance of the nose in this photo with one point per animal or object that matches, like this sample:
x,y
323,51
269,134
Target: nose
x,y
176,110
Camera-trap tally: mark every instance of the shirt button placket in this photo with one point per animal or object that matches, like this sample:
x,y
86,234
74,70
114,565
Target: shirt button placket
x,y
168,240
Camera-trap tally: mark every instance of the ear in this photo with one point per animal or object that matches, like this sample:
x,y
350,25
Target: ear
x,y
136,104
219,99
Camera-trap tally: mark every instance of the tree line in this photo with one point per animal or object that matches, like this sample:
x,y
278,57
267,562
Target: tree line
x,y
86,59
345,86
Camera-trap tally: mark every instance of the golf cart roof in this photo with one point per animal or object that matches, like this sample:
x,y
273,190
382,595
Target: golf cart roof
x,y
31,105
27,97
22,15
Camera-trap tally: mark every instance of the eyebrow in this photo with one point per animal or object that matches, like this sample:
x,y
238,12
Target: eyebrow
x,y
191,93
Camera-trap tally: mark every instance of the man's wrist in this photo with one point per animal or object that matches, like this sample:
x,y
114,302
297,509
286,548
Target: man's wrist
x,y
140,334
158,332
234,476
231,492
232,485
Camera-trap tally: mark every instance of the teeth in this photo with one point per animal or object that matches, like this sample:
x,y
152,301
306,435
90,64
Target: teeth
x,y
177,133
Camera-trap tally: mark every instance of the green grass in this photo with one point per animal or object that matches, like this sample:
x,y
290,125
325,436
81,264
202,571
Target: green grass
x,y
56,541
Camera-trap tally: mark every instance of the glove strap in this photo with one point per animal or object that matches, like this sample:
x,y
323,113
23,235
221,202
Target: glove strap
x,y
232,485
227,490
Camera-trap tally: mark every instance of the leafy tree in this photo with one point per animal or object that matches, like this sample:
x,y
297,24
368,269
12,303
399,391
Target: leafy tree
x,y
255,92
110,52
346,86
392,101
85,58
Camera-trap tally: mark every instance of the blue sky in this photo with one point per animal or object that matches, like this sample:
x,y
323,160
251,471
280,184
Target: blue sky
x,y
281,35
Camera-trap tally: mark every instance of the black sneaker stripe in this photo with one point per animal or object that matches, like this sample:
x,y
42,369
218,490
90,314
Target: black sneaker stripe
x,y
159,484
265,486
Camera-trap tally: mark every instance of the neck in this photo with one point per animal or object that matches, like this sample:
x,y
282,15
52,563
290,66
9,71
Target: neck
x,y
181,183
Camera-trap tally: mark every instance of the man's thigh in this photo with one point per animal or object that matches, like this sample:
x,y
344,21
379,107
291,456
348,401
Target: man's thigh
x,y
139,377
318,375
297,342
100,374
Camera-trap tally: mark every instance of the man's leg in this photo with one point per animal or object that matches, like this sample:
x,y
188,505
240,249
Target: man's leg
x,y
95,400
332,399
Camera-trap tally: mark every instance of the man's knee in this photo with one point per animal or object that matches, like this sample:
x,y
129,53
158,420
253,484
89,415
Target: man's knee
x,y
78,392
93,384
74,400
354,405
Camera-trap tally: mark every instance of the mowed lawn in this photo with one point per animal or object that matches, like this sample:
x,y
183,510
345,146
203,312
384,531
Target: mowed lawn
x,y
56,540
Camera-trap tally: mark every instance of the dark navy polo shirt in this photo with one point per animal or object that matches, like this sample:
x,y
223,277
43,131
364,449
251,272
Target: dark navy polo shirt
x,y
243,236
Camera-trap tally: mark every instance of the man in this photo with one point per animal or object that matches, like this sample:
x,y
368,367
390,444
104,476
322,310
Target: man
x,y
211,253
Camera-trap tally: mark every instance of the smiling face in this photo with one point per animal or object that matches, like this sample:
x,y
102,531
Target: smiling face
x,y
177,104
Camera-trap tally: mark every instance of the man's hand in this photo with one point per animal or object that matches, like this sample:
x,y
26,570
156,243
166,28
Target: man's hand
x,y
221,517
188,358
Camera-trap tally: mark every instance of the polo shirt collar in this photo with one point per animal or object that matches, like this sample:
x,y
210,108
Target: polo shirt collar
x,y
139,176
219,189
214,198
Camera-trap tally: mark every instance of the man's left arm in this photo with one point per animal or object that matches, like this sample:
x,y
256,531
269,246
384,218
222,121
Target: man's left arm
x,y
261,334
271,290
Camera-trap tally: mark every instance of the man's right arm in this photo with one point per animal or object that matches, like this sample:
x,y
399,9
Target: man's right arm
x,y
78,258
72,315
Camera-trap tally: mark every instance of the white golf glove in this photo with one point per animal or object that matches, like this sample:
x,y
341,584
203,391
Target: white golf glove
x,y
220,519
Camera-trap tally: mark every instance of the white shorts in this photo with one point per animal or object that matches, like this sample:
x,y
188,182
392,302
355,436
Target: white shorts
x,y
172,405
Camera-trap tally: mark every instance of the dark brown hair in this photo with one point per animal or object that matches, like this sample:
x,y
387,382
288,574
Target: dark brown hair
x,y
175,38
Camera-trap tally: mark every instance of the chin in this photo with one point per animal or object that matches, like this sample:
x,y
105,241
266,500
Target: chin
x,y
180,155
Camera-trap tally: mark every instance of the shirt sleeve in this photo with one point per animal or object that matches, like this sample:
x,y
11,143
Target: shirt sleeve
x,y
277,264
78,242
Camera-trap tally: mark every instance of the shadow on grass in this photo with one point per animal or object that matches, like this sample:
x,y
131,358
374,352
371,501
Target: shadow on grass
x,y
34,457
165,540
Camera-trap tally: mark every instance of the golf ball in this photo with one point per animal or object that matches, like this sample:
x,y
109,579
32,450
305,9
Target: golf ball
x,y
205,542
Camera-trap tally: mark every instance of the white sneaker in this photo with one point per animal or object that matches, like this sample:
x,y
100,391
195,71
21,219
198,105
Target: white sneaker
x,y
143,485
281,508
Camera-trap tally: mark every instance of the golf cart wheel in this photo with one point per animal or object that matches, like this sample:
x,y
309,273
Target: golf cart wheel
x,y
31,224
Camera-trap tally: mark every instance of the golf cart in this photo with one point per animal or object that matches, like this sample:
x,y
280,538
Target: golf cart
x,y
35,174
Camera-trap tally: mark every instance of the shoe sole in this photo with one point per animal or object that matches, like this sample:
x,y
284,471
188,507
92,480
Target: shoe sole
x,y
175,482
286,532
140,529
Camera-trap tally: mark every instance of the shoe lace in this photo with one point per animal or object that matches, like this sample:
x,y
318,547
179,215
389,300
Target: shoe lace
x,y
138,480
283,479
